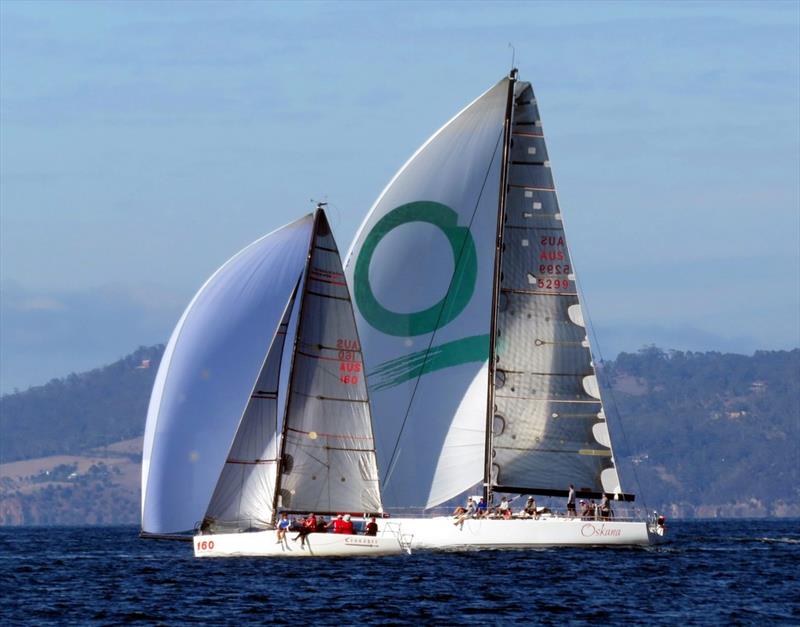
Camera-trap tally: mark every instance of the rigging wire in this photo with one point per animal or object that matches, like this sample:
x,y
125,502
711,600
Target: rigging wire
x,y
457,261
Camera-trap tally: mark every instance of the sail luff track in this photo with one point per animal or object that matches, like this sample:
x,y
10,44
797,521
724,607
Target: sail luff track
x,y
498,252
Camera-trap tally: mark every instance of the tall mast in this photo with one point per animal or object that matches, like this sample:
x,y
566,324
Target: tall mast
x,y
498,251
298,328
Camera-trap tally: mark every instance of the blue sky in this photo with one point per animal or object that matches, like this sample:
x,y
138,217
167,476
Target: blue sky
x,y
142,144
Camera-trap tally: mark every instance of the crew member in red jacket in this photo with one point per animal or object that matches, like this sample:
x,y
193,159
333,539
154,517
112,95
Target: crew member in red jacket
x,y
345,526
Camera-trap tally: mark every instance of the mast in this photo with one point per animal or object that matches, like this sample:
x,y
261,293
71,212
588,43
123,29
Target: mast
x,y
498,251
298,328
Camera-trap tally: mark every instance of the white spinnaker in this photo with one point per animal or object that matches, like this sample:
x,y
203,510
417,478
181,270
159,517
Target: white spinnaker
x,y
329,448
243,497
209,368
425,337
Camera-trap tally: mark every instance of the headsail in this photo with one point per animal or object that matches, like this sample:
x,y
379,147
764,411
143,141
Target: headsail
x,y
206,378
421,271
548,428
328,459
243,497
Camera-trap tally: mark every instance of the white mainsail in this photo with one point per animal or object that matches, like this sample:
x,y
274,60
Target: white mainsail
x,y
425,333
208,372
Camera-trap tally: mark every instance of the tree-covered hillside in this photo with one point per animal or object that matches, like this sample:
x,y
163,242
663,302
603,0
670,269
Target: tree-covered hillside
x,y
80,411
706,434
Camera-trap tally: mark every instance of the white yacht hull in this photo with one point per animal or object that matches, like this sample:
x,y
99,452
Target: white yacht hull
x,y
266,544
442,533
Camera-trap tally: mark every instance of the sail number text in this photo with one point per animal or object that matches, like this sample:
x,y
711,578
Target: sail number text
x,y
550,274
349,365
550,284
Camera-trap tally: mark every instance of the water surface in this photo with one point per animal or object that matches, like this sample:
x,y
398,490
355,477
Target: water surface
x,y
713,572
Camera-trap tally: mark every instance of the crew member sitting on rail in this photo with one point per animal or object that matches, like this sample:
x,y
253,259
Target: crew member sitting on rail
x,y
465,513
309,526
530,508
371,528
336,524
605,508
347,526
504,508
283,526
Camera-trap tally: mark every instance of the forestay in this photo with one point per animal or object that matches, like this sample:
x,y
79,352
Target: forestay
x,y
328,448
421,271
549,428
208,372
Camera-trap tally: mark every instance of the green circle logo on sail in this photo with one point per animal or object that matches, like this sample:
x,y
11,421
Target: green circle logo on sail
x,y
462,283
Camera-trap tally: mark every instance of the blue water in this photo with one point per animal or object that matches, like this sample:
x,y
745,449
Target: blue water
x,y
712,573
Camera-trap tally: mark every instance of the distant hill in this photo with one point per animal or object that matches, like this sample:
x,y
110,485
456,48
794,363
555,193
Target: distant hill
x,y
709,434
706,434
80,411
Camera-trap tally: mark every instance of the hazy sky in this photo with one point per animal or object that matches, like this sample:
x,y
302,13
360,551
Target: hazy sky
x,y
143,143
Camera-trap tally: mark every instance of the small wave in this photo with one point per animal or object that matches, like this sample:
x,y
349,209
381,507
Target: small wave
x,y
779,540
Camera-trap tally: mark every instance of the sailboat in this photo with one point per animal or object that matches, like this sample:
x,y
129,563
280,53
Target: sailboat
x,y
480,368
260,406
